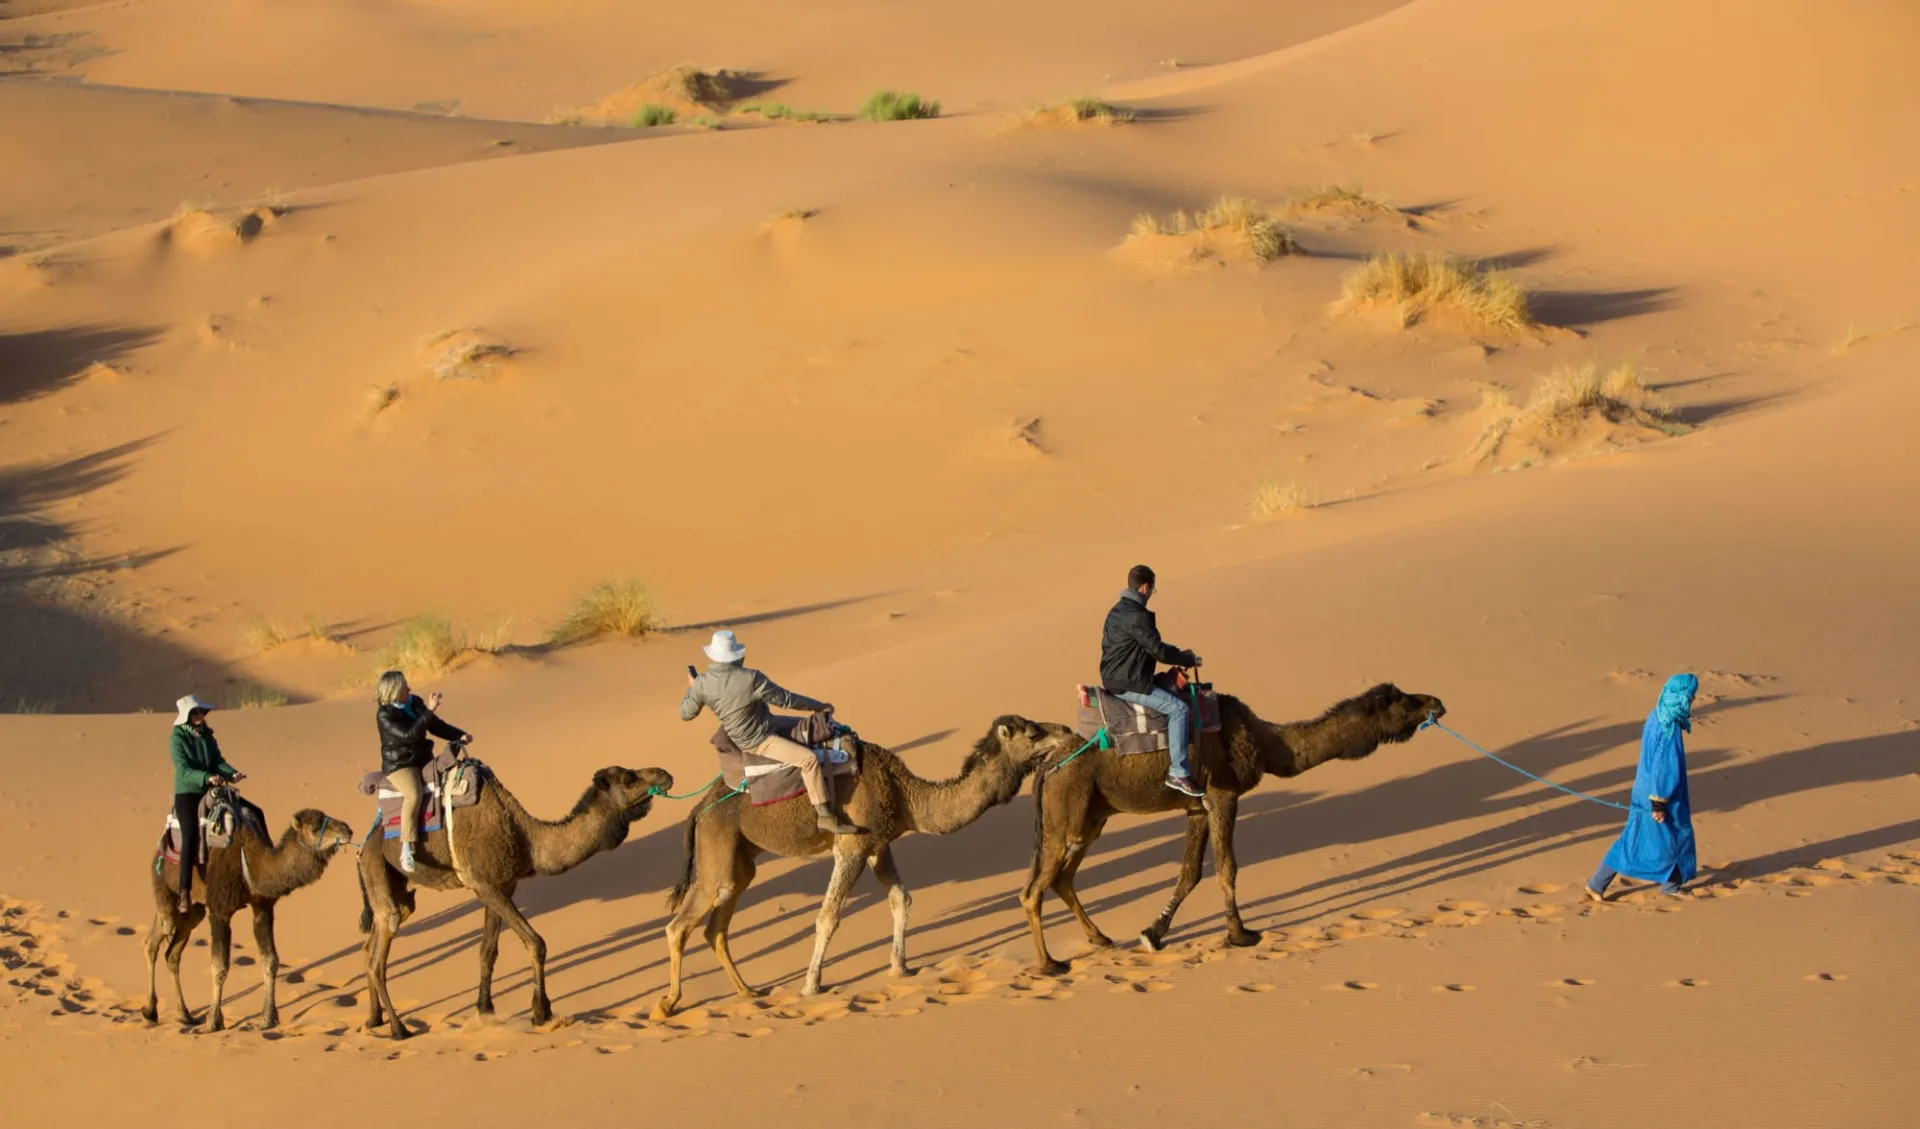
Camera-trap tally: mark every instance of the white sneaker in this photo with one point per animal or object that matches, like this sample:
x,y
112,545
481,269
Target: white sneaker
x,y
406,858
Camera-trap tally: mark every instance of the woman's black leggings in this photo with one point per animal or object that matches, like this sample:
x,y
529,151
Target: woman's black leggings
x,y
186,809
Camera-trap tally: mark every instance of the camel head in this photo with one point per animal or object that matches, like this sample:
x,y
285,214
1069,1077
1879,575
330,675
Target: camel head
x,y
1395,714
1027,743
322,833
628,791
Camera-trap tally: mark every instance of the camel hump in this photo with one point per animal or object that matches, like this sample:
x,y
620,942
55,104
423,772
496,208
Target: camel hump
x,y
450,782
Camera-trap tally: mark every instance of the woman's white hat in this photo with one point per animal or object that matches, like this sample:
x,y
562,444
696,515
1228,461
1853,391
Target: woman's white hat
x,y
186,706
725,648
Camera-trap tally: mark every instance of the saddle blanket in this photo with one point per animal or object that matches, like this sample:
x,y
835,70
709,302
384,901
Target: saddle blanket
x,y
770,781
1135,729
459,780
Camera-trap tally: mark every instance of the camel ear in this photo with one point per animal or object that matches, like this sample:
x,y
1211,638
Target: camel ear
x,y
1001,731
603,779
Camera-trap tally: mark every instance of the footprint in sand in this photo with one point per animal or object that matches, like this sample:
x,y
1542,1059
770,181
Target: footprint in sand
x,y
614,1048
1576,982
1385,914
1538,888
1828,976
1461,906
1689,982
486,1056
1256,986
1358,985
1830,864
1457,988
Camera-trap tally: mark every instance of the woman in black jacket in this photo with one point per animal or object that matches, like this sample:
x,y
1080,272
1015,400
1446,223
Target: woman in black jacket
x,y
407,728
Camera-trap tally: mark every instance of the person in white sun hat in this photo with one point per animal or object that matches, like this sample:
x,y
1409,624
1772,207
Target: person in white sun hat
x,y
740,698
197,767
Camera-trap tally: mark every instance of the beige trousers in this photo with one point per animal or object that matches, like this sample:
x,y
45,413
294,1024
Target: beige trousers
x,y
407,783
802,758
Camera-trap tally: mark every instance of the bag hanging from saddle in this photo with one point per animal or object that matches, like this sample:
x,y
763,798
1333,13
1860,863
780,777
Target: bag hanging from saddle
x,y
221,813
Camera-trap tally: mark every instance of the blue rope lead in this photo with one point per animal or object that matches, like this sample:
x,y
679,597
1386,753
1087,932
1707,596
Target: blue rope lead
x,y
1101,739
1433,722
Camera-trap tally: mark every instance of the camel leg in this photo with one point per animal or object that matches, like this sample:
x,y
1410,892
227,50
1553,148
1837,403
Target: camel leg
x,y
725,901
899,901
1189,878
1062,824
165,922
222,948
846,871
500,901
269,963
380,1009
489,952
177,948
692,905
1063,885
1220,814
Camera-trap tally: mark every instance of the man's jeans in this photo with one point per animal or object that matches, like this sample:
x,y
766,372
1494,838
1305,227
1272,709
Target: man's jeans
x,y
1164,702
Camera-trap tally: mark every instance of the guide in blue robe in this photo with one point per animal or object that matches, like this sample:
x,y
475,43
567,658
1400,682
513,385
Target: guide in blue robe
x,y
1649,848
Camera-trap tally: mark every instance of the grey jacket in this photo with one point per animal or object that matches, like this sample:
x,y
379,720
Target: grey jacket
x,y
739,697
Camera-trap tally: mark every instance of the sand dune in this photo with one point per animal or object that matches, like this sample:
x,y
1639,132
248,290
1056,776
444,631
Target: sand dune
x,y
347,339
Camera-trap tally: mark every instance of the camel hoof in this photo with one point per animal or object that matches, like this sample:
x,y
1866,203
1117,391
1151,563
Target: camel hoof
x,y
1150,941
270,1021
1053,968
150,1013
484,1007
751,993
903,972
810,989
1245,939
1100,941
663,1010
399,1033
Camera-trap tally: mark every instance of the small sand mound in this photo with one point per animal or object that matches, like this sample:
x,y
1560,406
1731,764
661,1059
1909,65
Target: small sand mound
x,y
686,90
1231,228
205,232
1343,205
1574,412
465,354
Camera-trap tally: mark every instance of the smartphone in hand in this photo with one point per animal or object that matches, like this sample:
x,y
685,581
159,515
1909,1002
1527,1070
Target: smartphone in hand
x,y
692,673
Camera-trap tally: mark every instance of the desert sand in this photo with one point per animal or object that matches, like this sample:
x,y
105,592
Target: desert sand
x,y
316,318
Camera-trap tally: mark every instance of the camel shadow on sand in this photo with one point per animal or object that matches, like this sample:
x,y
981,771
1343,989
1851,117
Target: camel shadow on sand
x,y
1274,822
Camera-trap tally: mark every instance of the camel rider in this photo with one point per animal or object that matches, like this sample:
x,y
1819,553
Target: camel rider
x,y
198,766
739,697
1130,645
407,725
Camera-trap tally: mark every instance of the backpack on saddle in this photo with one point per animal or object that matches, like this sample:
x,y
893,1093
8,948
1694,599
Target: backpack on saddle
x,y
1137,729
451,781
769,781
221,813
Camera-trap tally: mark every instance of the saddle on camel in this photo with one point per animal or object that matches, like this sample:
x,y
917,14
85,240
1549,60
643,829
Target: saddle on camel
x,y
453,779
1128,729
768,781
221,813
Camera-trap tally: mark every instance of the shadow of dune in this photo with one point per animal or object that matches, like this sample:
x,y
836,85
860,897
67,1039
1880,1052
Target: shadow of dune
x,y
37,363
63,651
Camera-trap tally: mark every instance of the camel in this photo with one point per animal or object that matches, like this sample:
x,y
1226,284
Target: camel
x,y
249,873
725,837
489,848
1073,799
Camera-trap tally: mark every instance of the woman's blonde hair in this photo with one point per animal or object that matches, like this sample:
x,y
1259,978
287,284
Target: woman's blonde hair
x,y
392,689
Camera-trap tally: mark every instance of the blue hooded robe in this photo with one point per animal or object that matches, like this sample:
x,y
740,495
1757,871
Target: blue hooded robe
x,y
1661,852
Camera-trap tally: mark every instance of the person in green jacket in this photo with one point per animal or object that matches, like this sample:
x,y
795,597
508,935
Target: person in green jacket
x,y
197,767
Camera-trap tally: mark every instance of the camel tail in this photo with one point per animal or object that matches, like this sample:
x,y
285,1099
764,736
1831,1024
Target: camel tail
x,y
681,887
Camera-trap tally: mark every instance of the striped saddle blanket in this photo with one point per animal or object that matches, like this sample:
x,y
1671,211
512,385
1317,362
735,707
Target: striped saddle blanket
x,y
221,814
458,780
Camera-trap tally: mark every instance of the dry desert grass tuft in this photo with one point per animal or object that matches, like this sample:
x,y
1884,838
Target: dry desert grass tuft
x,y
1573,411
252,696
1083,109
1234,217
429,644
1415,285
1278,497
464,354
653,114
781,112
621,606
1338,198
896,106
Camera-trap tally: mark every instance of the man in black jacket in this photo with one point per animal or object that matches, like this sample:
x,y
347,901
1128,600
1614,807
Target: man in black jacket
x,y
1130,646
